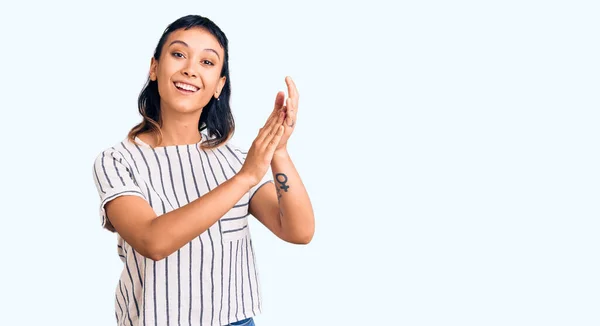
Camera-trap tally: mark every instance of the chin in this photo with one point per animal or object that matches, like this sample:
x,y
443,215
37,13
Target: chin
x,y
185,107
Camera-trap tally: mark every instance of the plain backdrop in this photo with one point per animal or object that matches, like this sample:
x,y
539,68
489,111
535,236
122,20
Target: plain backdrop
x,y
450,149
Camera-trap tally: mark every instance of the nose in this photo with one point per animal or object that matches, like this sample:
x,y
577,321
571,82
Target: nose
x,y
190,71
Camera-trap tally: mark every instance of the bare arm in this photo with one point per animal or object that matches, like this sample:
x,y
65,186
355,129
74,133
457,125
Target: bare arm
x,y
285,208
157,237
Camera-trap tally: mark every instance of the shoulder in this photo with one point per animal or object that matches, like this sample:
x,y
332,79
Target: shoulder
x,y
227,145
233,150
228,148
116,152
234,147
103,155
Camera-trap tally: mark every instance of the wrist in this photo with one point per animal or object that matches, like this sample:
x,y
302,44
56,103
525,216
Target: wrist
x,y
281,153
244,180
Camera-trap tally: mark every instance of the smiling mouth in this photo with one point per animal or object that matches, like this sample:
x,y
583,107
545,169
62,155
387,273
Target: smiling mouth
x,y
186,87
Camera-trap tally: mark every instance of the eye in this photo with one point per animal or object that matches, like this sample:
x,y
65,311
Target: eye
x,y
177,54
206,62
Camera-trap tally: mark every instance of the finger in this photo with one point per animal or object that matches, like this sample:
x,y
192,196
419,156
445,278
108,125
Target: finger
x,y
287,111
270,129
271,138
275,128
290,119
278,122
279,101
278,104
292,90
272,116
272,145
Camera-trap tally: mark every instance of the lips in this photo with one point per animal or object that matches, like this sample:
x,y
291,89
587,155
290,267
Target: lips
x,y
186,87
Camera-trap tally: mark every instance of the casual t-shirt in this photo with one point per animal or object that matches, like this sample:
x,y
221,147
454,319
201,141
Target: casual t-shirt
x,y
212,280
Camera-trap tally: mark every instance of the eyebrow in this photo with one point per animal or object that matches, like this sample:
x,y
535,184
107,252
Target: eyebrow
x,y
186,45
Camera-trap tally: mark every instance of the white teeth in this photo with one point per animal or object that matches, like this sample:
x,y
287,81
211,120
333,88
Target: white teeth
x,y
186,87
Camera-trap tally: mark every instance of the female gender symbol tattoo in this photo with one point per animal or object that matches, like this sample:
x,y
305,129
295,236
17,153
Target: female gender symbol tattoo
x,y
282,180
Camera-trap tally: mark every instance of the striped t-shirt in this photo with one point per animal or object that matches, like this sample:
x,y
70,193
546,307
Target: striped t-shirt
x,y
212,280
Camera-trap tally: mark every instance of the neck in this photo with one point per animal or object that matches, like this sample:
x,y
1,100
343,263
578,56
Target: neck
x,y
180,134
180,129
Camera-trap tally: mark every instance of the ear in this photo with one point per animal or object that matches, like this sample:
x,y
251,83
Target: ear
x,y
153,69
220,86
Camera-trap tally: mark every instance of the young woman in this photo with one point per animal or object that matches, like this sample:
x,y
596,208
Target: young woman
x,y
178,193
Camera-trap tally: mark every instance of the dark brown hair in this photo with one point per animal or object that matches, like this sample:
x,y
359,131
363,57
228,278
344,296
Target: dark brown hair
x,y
216,116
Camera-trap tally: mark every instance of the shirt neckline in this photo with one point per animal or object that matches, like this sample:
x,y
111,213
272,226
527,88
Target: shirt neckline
x,y
143,144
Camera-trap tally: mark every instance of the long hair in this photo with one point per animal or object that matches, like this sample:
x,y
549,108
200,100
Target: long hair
x,y
216,116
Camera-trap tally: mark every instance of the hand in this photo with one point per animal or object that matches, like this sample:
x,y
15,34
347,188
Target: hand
x,y
290,109
263,147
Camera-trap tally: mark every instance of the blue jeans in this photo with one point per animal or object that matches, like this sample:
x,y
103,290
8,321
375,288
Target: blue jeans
x,y
244,322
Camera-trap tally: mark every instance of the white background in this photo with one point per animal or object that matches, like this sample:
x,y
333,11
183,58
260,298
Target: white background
x,y
450,150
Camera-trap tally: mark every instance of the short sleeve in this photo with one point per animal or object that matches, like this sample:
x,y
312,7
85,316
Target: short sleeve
x,y
113,178
268,177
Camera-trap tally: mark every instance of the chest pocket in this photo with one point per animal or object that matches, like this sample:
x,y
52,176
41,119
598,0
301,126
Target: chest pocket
x,y
234,224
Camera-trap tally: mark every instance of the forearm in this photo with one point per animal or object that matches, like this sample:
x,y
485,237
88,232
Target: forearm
x,y
171,231
295,209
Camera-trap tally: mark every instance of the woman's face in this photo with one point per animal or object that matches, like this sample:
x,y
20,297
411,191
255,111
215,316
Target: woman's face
x,y
188,71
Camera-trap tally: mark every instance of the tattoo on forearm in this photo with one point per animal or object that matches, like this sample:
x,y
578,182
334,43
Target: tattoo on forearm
x,y
282,180
279,202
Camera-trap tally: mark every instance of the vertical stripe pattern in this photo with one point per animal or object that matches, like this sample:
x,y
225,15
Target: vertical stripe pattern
x,y
213,279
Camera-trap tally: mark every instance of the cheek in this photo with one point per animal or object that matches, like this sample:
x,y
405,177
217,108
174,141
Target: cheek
x,y
167,68
163,79
163,86
215,81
